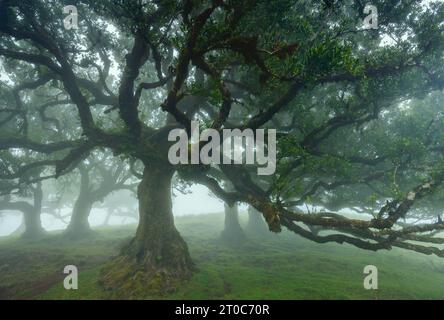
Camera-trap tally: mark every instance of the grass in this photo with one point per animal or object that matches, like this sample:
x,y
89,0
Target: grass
x,y
281,266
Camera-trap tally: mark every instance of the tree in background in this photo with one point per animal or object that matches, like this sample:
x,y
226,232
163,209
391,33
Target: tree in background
x,y
232,232
31,227
256,224
99,177
121,205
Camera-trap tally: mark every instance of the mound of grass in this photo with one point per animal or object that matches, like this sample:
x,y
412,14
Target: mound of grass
x,y
282,266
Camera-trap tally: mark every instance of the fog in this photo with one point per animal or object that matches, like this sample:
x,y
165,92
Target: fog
x,y
197,200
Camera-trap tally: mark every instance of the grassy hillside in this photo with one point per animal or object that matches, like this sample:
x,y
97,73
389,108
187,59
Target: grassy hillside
x,y
272,267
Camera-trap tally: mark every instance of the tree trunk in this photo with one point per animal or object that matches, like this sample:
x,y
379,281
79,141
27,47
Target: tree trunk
x,y
33,223
156,260
232,232
256,223
79,224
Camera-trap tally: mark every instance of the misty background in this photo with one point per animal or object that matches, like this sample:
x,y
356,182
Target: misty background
x,y
198,200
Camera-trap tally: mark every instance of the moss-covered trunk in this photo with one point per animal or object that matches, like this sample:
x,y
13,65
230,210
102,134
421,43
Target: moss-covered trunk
x,y
157,259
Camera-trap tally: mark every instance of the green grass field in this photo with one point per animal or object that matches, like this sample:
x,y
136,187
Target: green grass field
x,y
281,266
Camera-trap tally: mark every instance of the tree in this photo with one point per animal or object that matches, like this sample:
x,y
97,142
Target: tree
x,y
232,233
99,177
32,226
256,224
309,70
123,204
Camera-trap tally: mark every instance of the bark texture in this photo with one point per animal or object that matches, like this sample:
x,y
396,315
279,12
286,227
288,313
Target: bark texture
x,y
156,260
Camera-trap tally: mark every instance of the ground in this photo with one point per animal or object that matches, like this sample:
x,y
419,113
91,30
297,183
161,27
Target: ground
x,y
275,267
